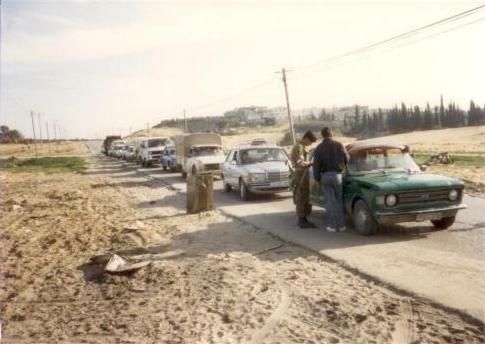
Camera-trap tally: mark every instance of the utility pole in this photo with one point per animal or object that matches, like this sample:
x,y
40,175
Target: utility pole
x,y
40,130
290,120
47,132
33,131
185,122
148,128
54,131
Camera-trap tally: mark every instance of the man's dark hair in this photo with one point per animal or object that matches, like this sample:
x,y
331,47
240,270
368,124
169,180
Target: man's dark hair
x,y
309,136
326,132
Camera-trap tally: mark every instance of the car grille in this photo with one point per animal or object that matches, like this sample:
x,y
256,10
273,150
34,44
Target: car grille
x,y
424,196
212,167
156,152
277,176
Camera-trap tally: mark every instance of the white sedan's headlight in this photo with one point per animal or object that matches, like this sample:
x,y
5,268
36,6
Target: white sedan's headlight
x,y
257,177
391,200
453,195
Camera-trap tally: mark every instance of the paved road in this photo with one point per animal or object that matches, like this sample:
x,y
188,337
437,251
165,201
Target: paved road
x,y
444,266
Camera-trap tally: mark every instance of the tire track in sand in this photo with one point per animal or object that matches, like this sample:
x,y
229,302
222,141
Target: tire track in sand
x,y
259,336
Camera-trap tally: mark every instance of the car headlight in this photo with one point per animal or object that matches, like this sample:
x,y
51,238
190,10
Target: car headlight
x,y
391,200
257,177
453,195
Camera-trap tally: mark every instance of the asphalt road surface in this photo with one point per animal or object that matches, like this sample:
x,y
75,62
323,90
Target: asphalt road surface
x,y
444,266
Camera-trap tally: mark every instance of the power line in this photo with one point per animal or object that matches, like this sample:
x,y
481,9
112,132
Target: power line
x,y
401,36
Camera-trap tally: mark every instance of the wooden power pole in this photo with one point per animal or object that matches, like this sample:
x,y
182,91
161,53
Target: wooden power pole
x,y
40,130
33,131
185,123
290,120
47,133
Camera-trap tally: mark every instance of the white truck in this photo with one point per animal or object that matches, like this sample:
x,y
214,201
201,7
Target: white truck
x,y
199,152
151,149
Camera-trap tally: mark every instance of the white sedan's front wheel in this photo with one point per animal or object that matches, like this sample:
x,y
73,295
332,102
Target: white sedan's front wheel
x,y
243,190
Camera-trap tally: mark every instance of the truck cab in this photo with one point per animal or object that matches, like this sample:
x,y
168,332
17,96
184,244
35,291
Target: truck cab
x,y
151,150
199,153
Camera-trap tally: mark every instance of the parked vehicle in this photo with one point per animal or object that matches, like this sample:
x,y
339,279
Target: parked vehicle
x,y
128,154
199,152
114,146
119,149
256,169
384,186
107,142
137,143
151,149
169,159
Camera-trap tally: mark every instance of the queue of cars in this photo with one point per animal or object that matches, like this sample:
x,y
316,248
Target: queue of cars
x,y
383,184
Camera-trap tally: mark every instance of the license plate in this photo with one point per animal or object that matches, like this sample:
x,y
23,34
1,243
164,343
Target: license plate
x,y
278,184
428,217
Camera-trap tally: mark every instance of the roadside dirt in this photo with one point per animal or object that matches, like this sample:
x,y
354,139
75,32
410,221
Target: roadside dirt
x,y
232,284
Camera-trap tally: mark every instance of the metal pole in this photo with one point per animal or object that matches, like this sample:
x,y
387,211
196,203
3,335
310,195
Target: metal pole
x,y
290,120
33,131
47,132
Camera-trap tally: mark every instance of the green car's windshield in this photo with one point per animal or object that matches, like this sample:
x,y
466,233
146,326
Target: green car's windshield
x,y
255,155
381,159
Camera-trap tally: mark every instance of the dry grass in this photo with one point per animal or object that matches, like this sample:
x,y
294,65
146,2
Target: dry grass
x,y
62,148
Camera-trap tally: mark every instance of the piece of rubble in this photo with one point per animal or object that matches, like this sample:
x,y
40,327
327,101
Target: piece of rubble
x,y
116,264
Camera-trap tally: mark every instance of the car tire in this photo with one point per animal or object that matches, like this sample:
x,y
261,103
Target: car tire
x,y
444,223
243,190
227,187
364,221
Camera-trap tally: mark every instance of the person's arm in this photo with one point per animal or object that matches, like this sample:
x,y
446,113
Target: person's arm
x,y
316,164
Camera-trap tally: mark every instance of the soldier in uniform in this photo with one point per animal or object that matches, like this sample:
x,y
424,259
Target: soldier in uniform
x,y
301,183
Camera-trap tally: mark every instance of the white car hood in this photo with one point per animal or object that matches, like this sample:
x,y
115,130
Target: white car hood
x,y
267,167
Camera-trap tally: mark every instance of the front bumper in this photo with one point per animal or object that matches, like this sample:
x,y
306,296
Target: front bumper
x,y
267,188
436,213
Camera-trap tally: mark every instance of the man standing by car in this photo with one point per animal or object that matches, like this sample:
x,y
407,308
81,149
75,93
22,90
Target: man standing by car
x,y
329,163
301,183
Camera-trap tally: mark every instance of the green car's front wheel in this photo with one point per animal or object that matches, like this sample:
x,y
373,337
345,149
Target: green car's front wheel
x,y
364,221
444,223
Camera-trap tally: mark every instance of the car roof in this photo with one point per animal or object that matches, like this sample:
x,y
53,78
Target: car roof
x,y
241,147
370,144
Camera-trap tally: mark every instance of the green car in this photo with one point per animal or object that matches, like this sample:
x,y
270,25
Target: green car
x,y
384,185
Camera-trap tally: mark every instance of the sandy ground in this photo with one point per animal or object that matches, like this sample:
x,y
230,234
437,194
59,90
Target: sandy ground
x,y
233,284
453,140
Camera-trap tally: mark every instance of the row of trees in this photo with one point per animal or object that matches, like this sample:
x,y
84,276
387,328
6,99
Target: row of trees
x,y
404,118
8,135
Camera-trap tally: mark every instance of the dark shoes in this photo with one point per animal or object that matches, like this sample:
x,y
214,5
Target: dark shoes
x,y
304,223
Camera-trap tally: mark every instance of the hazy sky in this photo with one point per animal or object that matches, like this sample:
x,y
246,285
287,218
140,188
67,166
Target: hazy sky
x,y
98,67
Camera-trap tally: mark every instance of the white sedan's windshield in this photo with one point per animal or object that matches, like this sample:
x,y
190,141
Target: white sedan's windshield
x,y
255,155
381,159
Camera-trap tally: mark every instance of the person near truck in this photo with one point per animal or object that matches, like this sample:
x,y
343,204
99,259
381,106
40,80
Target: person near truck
x,y
301,183
329,164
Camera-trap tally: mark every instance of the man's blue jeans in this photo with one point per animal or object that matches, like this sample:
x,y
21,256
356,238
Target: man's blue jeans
x,y
332,190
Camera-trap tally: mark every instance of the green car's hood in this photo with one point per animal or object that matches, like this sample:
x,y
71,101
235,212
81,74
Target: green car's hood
x,y
404,181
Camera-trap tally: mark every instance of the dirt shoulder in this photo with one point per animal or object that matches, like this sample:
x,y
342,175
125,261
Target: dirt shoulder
x,y
232,284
